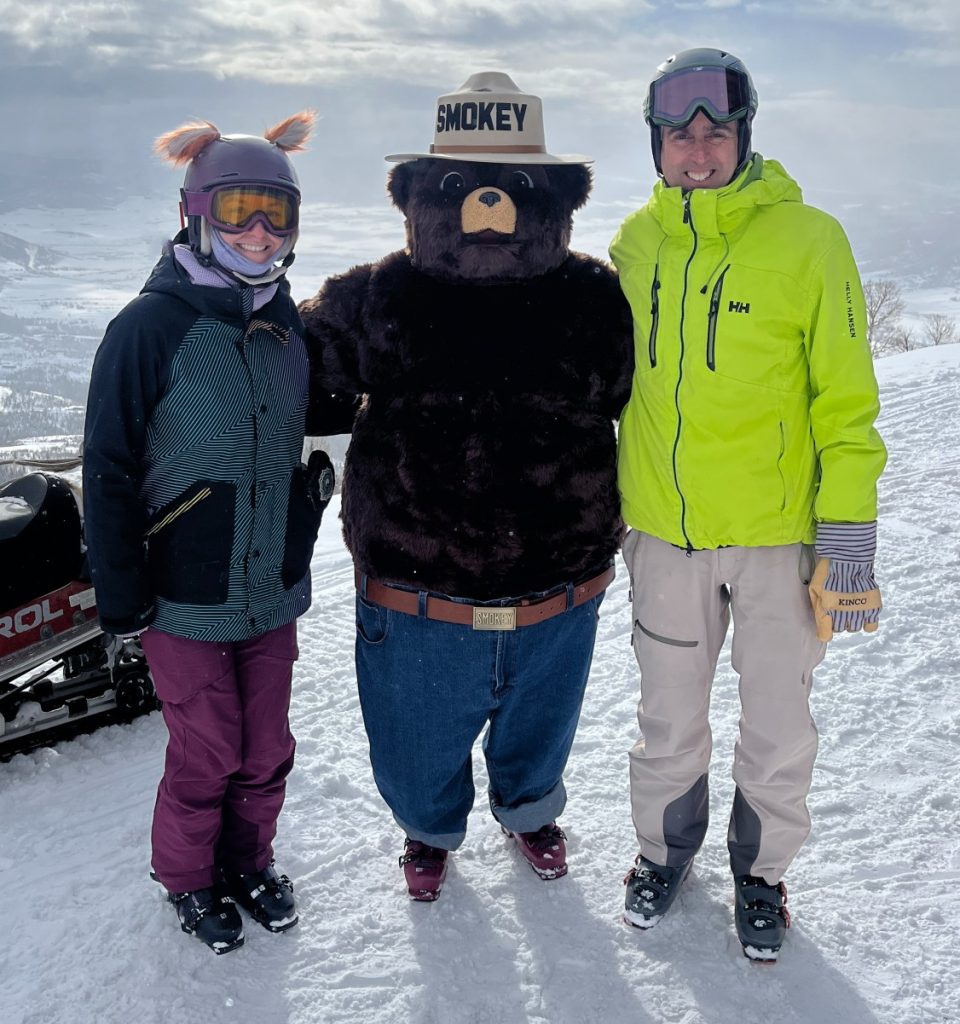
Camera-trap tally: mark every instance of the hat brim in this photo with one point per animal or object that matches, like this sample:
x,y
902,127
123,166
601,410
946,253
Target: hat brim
x,y
494,158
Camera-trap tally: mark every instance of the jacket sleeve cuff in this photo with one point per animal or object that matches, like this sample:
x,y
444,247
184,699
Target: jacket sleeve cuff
x,y
848,542
128,625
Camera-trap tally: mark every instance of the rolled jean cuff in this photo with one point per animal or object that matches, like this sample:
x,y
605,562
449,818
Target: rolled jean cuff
x,y
849,542
534,815
445,840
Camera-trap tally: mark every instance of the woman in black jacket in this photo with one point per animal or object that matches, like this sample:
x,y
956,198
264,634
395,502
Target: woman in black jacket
x,y
200,518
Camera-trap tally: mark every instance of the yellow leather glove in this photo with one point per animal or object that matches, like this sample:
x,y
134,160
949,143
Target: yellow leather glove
x,y
843,591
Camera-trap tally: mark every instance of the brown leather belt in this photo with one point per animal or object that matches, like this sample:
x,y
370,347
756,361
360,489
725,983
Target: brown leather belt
x,y
485,616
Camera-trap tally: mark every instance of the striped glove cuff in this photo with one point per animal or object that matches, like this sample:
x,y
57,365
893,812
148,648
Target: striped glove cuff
x,y
847,542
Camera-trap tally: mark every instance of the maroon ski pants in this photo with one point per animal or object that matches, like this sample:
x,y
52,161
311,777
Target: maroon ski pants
x,y
228,754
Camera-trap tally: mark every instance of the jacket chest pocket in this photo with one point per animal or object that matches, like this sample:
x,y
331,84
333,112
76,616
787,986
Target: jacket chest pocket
x,y
749,332
713,312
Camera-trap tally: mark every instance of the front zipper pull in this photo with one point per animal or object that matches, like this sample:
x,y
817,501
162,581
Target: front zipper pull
x,y
686,209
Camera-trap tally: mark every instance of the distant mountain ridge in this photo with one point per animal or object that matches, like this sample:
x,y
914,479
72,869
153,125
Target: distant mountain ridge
x,y
25,254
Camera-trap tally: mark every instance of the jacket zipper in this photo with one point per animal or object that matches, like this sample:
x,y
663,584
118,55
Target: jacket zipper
x,y
783,452
687,219
179,510
712,320
654,315
242,347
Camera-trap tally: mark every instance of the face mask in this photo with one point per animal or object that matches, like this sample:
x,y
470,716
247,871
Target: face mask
x,y
228,258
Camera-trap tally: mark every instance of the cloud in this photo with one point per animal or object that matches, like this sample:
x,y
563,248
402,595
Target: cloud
x,y
849,90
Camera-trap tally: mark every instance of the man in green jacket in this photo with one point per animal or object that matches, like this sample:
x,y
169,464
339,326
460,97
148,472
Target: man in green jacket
x,y
748,438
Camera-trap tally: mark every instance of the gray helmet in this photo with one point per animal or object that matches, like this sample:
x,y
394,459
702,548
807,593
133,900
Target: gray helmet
x,y
706,79
236,160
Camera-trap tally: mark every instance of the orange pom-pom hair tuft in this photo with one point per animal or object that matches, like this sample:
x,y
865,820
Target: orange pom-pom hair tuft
x,y
291,134
182,144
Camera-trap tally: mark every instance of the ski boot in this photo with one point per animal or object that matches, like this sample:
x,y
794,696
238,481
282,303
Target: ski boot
x,y
424,869
651,890
761,917
209,914
266,896
544,849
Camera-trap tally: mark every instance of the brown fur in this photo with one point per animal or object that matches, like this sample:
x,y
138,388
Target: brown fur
x,y
483,460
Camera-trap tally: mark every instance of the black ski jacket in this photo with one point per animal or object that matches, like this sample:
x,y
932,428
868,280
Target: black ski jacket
x,y
197,516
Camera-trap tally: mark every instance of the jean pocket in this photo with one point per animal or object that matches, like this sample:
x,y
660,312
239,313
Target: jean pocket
x,y
372,621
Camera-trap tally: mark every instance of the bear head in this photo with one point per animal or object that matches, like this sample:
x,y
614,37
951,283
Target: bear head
x,y
487,222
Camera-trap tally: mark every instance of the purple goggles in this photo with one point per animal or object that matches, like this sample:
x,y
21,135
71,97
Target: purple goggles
x,y
237,207
721,93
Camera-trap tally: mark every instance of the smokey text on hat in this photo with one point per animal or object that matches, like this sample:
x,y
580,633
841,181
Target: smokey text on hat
x,y
480,116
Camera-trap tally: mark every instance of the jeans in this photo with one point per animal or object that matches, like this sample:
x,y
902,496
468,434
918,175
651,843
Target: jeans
x,y
428,688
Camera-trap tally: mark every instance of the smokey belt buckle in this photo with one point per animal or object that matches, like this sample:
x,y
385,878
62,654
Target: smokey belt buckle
x,y
483,617
494,618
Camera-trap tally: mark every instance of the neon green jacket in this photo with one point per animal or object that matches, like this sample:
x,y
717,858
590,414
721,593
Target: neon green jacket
x,y
753,401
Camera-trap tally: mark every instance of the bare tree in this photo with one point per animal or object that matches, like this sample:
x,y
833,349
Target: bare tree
x,y
901,339
939,329
885,306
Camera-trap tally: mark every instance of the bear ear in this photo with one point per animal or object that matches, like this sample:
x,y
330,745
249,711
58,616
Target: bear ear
x,y
292,134
399,183
182,144
572,181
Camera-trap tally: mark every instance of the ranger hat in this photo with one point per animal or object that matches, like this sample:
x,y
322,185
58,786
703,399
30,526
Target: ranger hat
x,y
489,120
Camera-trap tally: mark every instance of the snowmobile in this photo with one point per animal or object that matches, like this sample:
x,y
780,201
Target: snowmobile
x,y
60,674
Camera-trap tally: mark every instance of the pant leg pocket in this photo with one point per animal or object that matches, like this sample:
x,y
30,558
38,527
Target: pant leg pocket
x,y
181,668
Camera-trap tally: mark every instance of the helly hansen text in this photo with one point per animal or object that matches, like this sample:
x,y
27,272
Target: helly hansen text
x,y
479,117
851,320
738,307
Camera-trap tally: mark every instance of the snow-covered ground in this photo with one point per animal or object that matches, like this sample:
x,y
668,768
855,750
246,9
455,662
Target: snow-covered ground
x,y
87,939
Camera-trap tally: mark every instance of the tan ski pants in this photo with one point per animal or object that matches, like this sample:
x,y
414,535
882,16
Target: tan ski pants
x,y
682,603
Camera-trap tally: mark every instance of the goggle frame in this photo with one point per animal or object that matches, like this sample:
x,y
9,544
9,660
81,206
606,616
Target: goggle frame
x,y
713,90
204,203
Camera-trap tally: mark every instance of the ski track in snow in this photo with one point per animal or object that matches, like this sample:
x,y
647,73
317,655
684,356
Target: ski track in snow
x,y
87,938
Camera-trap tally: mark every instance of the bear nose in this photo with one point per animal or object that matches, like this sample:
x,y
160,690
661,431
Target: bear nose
x,y
489,198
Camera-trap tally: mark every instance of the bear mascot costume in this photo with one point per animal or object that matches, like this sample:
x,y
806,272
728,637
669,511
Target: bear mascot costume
x,y
480,501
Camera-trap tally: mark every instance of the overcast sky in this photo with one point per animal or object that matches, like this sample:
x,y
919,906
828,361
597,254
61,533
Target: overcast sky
x,y
858,98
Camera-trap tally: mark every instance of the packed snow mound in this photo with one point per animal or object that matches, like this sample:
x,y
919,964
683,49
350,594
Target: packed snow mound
x,y
874,893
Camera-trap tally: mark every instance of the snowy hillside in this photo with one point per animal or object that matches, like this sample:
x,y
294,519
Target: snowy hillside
x,y
874,894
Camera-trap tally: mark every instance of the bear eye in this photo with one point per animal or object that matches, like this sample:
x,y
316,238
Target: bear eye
x,y
521,181
452,182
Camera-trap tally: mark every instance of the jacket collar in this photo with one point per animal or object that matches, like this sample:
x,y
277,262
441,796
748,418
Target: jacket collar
x,y
717,211
232,305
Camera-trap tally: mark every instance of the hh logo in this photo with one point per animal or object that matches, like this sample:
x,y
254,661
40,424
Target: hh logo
x,y
738,307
